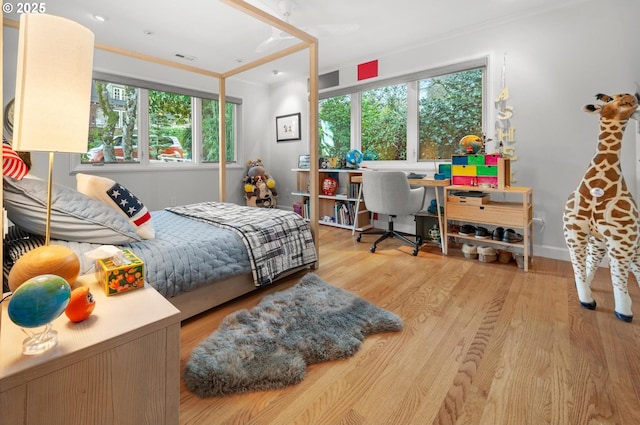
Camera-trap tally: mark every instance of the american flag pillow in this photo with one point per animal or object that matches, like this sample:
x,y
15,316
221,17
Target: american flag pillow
x,y
12,165
119,198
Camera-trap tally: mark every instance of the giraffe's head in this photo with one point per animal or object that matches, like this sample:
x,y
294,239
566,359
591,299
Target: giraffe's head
x,y
617,107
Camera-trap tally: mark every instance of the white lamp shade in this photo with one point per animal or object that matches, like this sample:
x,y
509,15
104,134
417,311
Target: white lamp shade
x,y
53,85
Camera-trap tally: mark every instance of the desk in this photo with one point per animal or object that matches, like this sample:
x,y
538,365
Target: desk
x,y
427,182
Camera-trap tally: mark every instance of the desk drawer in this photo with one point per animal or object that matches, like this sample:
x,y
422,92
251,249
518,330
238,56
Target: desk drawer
x,y
499,213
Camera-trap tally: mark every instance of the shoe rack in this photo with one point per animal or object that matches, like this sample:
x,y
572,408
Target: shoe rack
x,y
509,208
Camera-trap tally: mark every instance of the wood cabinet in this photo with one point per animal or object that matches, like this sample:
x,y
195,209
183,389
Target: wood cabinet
x,y
511,207
121,366
340,209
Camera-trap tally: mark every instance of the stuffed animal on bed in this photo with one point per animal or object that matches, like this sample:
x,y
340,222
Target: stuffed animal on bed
x,y
259,187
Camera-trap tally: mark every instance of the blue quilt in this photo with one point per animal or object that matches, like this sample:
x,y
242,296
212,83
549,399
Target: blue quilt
x,y
185,254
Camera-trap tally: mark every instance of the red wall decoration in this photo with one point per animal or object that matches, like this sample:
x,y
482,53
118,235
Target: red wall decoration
x,y
368,70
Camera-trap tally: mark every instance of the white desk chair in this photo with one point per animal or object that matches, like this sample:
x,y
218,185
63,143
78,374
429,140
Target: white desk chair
x,y
388,192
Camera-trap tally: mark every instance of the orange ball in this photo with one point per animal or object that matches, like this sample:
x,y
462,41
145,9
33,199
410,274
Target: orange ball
x,y
51,259
81,304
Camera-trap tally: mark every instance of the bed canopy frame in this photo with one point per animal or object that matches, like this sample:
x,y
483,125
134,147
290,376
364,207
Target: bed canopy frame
x,y
307,41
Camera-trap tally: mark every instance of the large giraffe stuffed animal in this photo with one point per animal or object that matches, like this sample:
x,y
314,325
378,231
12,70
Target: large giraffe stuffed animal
x,y
601,216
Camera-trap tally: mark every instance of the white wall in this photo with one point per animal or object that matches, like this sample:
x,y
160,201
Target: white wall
x,y
159,189
556,62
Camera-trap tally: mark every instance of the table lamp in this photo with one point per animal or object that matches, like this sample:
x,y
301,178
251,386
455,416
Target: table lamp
x,y
52,105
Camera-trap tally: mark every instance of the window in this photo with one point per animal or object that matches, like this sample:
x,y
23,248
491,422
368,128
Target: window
x,y
210,131
412,118
169,126
145,124
117,92
335,126
384,123
113,125
450,107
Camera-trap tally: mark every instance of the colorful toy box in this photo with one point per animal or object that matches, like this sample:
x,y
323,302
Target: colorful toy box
x,y
480,170
123,277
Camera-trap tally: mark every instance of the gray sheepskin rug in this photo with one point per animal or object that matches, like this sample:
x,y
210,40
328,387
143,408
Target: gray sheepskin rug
x,y
270,346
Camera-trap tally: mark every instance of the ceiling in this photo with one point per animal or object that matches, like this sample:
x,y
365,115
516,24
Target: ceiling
x,y
211,35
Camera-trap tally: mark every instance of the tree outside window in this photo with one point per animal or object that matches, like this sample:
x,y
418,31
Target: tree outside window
x,y
113,123
211,134
450,107
113,132
384,123
169,126
334,131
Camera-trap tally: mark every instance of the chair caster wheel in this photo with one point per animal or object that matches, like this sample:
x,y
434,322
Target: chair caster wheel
x,y
415,252
359,238
372,249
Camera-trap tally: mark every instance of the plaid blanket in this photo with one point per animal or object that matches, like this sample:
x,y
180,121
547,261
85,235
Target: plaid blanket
x,y
277,240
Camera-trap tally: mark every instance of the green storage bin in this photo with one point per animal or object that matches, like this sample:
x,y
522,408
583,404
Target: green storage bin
x,y
475,159
487,170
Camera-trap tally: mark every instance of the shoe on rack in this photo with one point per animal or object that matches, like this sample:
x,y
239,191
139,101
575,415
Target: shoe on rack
x,y
497,234
511,236
482,233
467,230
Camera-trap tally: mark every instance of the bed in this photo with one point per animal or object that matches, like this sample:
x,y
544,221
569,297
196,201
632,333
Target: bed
x,y
200,255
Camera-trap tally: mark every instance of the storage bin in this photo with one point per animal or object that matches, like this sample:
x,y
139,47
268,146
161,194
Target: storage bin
x,y
459,160
464,170
461,180
445,170
491,159
475,159
487,170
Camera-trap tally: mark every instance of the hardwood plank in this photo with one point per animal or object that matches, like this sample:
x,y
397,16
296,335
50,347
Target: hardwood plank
x,y
481,344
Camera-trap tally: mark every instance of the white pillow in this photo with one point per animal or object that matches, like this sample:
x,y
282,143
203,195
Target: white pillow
x,y
74,216
120,199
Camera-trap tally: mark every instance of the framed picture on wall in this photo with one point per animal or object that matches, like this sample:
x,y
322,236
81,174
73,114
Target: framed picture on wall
x,y
288,127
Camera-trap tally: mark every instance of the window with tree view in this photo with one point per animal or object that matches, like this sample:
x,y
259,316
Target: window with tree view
x,y
335,126
211,134
115,136
412,118
384,123
113,123
450,107
169,126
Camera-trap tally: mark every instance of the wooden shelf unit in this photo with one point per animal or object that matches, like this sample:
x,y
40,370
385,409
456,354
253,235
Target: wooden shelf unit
x,y
346,193
514,211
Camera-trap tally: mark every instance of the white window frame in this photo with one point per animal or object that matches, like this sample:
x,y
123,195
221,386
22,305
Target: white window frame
x,y
143,164
412,80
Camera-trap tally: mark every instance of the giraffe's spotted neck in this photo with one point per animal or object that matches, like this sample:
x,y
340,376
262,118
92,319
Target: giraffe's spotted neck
x,y
603,178
609,141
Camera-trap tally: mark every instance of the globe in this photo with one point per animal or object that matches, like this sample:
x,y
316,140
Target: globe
x,y
39,300
354,157
471,144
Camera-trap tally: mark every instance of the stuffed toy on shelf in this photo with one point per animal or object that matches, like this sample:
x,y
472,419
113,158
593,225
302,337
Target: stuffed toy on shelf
x,y
259,186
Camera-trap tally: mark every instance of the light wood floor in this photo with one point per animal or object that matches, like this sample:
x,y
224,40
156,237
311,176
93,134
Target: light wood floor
x,y
481,344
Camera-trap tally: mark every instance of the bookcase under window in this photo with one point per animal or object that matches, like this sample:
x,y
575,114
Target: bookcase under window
x,y
338,210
